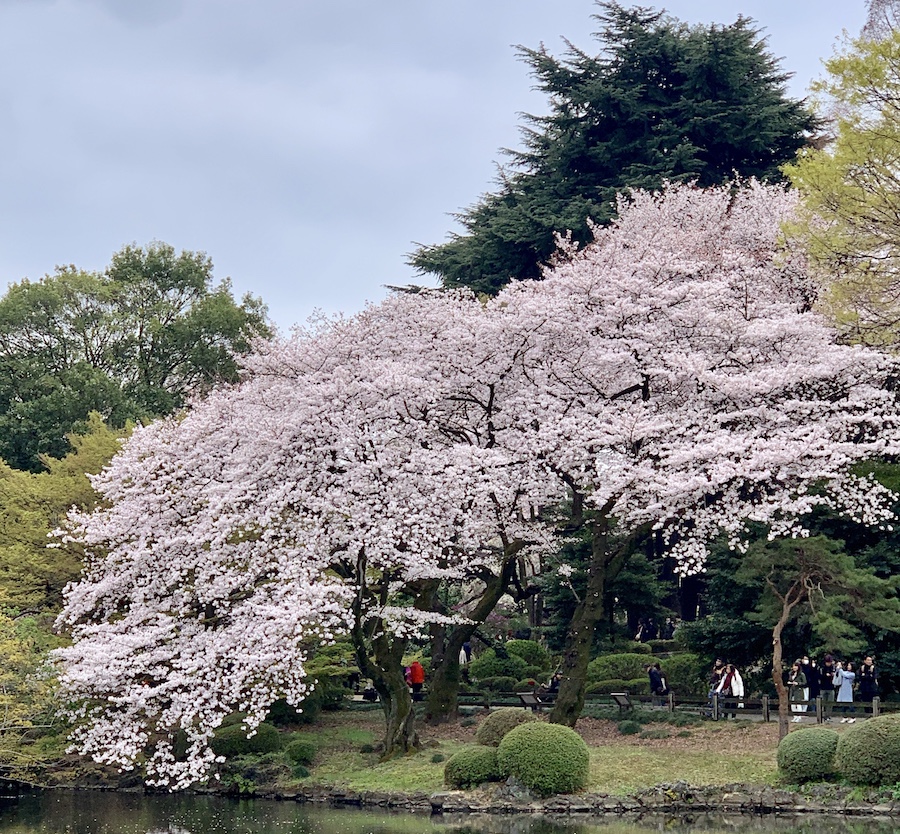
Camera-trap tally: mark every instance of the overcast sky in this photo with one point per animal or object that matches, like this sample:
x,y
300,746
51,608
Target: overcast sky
x,y
304,144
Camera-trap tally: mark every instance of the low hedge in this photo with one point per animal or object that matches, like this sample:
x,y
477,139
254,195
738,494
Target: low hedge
x,y
232,740
498,684
808,755
472,767
496,725
547,758
869,753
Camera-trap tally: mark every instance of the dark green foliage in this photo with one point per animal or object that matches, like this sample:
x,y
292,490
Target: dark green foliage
x,y
807,755
300,771
548,758
437,758
499,723
367,748
502,683
685,673
534,654
607,686
623,666
301,751
131,343
661,101
658,646
628,727
491,665
869,753
232,740
472,767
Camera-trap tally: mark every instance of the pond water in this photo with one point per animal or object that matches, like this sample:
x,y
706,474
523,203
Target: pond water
x,y
86,812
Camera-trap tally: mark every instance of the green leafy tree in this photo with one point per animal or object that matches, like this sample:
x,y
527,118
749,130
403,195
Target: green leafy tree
x,y
851,189
661,101
817,577
131,343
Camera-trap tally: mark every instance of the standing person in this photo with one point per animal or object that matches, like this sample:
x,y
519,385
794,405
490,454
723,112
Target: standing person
x,y
655,684
731,689
416,679
844,676
804,666
813,683
827,674
796,687
868,680
715,678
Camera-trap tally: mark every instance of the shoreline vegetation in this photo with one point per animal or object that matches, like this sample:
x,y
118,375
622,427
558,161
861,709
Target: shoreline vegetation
x,y
725,766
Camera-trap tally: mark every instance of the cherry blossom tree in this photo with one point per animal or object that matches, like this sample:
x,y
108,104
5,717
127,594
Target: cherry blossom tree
x,y
683,382
673,375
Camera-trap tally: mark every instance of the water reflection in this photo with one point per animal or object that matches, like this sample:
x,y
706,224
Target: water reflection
x,y
107,813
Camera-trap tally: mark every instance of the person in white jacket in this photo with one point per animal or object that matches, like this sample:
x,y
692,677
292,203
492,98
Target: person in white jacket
x,y
731,690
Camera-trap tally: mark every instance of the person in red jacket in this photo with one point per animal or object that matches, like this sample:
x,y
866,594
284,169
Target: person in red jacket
x,y
416,679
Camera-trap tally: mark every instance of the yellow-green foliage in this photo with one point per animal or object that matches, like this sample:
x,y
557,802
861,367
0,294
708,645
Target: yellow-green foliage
x,y
232,740
491,731
548,758
850,224
471,767
869,753
807,755
32,575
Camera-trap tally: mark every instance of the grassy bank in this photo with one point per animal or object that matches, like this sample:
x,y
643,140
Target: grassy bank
x,y
708,754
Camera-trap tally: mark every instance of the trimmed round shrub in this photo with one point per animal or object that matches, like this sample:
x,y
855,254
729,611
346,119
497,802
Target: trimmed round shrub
x,y
232,740
489,665
656,646
624,666
499,723
471,767
498,684
534,654
548,758
607,686
301,751
807,755
628,727
869,753
638,648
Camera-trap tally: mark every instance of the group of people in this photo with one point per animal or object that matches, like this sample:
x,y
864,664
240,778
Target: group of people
x,y
725,681
832,681
648,629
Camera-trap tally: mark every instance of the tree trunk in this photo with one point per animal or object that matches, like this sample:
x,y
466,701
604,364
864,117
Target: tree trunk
x,y
604,567
442,703
384,667
777,663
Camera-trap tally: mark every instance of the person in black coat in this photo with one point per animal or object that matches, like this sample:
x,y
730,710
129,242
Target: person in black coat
x,y
867,677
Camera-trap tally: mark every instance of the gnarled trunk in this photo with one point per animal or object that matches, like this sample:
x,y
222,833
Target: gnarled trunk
x,y
777,664
443,689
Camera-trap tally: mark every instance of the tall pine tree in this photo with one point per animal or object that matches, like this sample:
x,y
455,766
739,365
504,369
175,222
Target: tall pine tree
x,y
661,101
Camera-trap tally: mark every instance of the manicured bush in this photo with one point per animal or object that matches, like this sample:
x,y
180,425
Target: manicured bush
x,y
534,654
499,723
607,686
489,665
807,755
869,753
685,673
627,667
471,767
657,646
638,686
628,727
301,751
232,740
548,758
498,684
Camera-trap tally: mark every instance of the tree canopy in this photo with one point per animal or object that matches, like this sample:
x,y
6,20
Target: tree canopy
x,y
133,342
850,189
670,375
662,101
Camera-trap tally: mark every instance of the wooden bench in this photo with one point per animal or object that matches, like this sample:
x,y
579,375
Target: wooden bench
x,y
535,702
